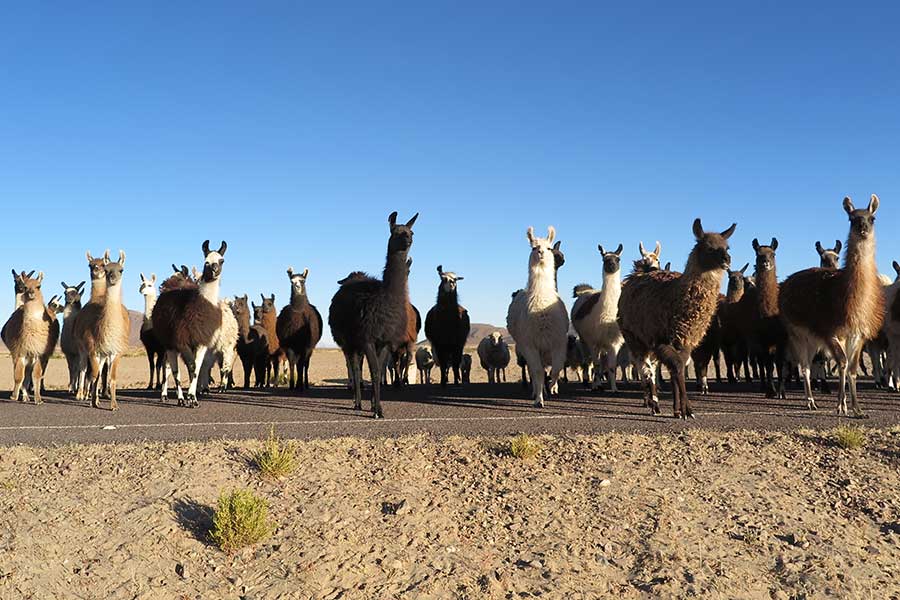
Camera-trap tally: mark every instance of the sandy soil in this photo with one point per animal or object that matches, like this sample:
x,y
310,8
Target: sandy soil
x,y
739,515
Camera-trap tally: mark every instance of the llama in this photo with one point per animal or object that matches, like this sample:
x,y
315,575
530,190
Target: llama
x,y
837,309
67,341
103,335
465,368
369,317
270,322
97,269
649,261
186,321
222,351
664,315
402,357
575,360
155,351
829,258
493,353
595,314
179,279
767,336
424,364
30,335
299,328
252,345
732,339
537,318
447,326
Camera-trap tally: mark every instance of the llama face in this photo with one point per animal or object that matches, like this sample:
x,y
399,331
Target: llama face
x,y
72,294
401,235
268,304
54,307
559,259
213,261
240,308
611,260
712,248
298,281
649,261
258,313
97,266
32,291
765,255
448,280
148,286
862,221
496,338
114,270
829,258
19,280
736,280
541,248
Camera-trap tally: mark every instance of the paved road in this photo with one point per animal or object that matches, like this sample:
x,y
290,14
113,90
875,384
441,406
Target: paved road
x,y
474,409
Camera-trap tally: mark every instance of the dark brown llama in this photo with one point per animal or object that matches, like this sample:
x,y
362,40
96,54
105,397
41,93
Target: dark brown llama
x,y
270,322
447,326
369,317
252,346
837,309
664,315
732,337
299,328
767,337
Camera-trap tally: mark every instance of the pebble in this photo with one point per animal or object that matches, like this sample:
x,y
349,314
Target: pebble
x,y
605,483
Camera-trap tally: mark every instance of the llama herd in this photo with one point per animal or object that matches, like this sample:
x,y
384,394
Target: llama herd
x,y
652,317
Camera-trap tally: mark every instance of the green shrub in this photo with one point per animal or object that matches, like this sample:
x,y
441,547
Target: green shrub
x,y
524,447
241,520
849,438
277,458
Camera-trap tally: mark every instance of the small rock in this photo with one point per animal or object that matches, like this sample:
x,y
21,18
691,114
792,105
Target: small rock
x,y
536,564
605,483
179,570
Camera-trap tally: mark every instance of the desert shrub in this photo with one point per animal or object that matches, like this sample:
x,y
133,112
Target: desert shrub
x,y
523,447
277,458
241,519
849,438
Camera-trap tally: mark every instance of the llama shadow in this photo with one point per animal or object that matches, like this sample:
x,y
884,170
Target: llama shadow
x,y
194,518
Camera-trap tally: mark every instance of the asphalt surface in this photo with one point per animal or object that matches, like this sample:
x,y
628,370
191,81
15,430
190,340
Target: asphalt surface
x,y
474,409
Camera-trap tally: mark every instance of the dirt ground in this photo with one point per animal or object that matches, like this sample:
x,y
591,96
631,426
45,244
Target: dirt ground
x,y
740,515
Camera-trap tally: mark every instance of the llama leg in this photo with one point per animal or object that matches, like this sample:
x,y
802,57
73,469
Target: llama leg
x,y
840,357
18,377
536,371
37,375
355,366
374,359
854,352
113,372
96,365
612,368
194,372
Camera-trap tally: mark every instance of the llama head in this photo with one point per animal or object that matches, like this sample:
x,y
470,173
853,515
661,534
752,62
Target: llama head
x,y
862,220
54,307
32,291
401,235
298,281
765,255
496,338
72,293
649,261
114,270
711,250
97,266
448,280
611,260
355,276
559,259
19,280
148,286
257,312
541,249
268,304
196,274
213,261
240,307
829,258
736,279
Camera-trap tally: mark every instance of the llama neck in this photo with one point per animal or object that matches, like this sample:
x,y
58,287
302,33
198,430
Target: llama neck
x,y
20,300
114,294
210,291
612,286
860,258
34,309
767,294
541,281
243,321
447,298
98,290
71,310
298,299
149,303
396,274
695,275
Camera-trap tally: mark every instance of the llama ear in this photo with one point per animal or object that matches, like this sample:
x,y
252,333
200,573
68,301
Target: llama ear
x,y
222,248
551,234
29,274
412,221
530,235
728,232
755,245
261,295
290,272
600,248
873,204
175,269
63,284
184,271
618,251
848,205
774,244
440,270
819,248
668,266
153,278
837,246
205,247
143,279
460,278
896,267
80,286
106,257
273,298
40,277
698,229
744,268
556,245
658,249
122,257
641,248
306,271
15,275
88,254
392,219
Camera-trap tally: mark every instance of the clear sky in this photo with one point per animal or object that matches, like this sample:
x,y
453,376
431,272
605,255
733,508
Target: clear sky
x,y
293,129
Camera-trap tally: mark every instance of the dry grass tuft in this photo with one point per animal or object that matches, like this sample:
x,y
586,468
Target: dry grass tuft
x,y
241,520
277,458
849,437
523,447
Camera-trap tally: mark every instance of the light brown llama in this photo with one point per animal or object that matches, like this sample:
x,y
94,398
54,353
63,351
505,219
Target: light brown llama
x,y
30,335
105,329
664,315
837,309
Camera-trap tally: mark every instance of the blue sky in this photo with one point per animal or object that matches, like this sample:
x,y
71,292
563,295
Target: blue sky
x,y
292,130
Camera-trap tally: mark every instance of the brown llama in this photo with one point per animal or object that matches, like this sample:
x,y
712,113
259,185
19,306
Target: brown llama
x,y
766,335
837,309
732,339
369,317
299,329
68,343
252,345
97,270
30,335
186,322
664,315
270,322
103,335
